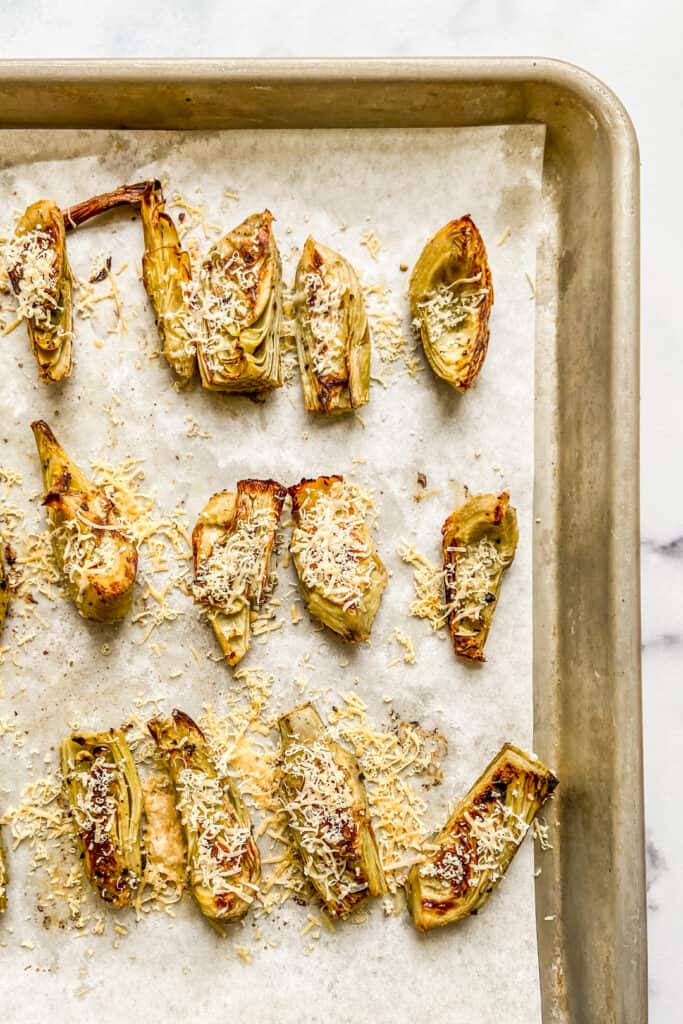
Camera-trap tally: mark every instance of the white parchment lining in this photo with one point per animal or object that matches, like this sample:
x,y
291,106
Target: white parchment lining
x,y
336,185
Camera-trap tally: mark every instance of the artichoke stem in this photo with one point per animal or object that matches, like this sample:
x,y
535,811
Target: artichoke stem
x,y
125,195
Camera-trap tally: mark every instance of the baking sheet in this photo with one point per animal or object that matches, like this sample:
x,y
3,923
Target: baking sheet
x,y
337,185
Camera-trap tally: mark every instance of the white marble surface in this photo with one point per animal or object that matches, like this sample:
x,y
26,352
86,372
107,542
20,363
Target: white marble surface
x,y
635,48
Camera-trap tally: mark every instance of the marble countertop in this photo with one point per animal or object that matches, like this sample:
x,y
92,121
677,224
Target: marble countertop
x,y
635,49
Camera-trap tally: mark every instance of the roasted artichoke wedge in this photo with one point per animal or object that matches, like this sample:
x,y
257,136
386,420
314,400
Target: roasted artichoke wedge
x,y
333,337
103,790
4,584
451,294
232,545
469,856
223,859
340,573
4,877
323,794
479,541
98,559
167,277
39,272
241,293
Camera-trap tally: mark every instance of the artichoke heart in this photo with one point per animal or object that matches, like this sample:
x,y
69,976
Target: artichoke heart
x,y
479,541
340,573
451,294
323,795
41,278
4,584
469,856
167,277
333,337
103,789
223,859
232,544
4,878
97,558
241,295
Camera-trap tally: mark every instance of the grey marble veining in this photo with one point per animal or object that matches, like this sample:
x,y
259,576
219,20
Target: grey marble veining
x,y
635,48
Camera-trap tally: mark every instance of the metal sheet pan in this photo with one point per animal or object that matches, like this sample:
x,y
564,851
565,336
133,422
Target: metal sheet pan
x,y
586,581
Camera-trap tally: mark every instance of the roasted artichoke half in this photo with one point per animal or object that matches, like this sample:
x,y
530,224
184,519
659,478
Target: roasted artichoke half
x,y
232,545
479,541
470,855
167,277
103,790
451,294
4,584
324,797
223,859
41,278
98,559
4,878
241,296
333,337
340,573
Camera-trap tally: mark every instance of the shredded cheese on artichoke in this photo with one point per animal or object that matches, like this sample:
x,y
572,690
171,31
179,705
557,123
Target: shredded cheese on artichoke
x,y
333,546
220,847
479,845
85,553
236,563
468,579
33,261
324,309
320,806
446,309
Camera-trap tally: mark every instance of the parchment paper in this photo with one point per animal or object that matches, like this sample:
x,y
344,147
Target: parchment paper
x,y
337,185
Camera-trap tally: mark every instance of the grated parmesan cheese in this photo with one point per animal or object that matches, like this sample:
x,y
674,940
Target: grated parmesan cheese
x,y
333,546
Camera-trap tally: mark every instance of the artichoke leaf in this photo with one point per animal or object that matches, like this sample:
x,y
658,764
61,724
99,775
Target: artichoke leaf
x,y
479,540
241,295
224,864
323,795
451,295
232,545
167,277
341,576
333,336
103,790
41,278
469,856
92,549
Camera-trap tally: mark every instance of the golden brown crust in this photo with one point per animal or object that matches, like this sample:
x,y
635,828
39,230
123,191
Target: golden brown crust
x,y
298,492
